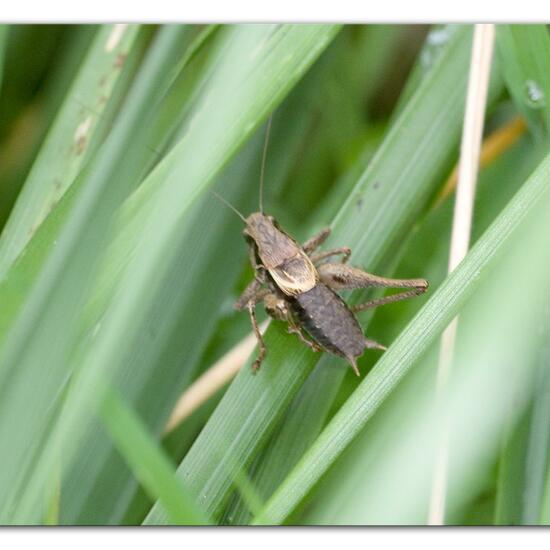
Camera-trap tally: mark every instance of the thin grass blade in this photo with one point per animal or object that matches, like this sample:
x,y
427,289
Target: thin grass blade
x,y
148,462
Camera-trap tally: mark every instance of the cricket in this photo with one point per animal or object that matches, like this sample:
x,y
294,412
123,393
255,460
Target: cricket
x,y
298,285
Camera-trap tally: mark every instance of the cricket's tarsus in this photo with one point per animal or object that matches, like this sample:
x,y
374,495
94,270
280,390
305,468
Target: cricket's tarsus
x,y
298,286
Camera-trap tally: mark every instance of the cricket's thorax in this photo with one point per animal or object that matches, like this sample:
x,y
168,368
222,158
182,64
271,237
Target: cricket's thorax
x,y
327,318
289,266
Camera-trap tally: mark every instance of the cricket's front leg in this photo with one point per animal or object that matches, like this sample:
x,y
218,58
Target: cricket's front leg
x,y
345,277
252,293
252,256
276,307
316,241
259,337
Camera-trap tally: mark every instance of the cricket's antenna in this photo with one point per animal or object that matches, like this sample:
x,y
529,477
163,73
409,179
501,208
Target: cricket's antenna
x,y
262,171
227,203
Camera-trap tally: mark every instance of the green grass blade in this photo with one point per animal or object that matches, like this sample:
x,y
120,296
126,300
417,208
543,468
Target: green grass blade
x,y
386,475
196,288
524,51
392,192
435,44
28,124
67,145
405,351
299,427
538,445
524,461
544,505
511,473
231,107
54,302
20,277
538,464
148,462
545,509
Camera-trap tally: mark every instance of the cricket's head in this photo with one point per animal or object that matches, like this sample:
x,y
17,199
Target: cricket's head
x,y
258,225
273,245
263,231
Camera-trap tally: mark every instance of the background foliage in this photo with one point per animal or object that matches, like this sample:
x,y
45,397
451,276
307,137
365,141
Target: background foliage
x,y
118,271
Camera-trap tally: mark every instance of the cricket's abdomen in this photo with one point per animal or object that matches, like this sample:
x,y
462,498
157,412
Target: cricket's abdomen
x,y
330,322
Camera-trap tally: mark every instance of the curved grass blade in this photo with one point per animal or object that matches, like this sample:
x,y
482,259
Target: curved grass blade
x,y
538,448
406,350
524,462
498,184
149,462
385,477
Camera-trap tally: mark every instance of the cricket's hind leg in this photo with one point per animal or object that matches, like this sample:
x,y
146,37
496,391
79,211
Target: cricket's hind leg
x,y
252,293
345,277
